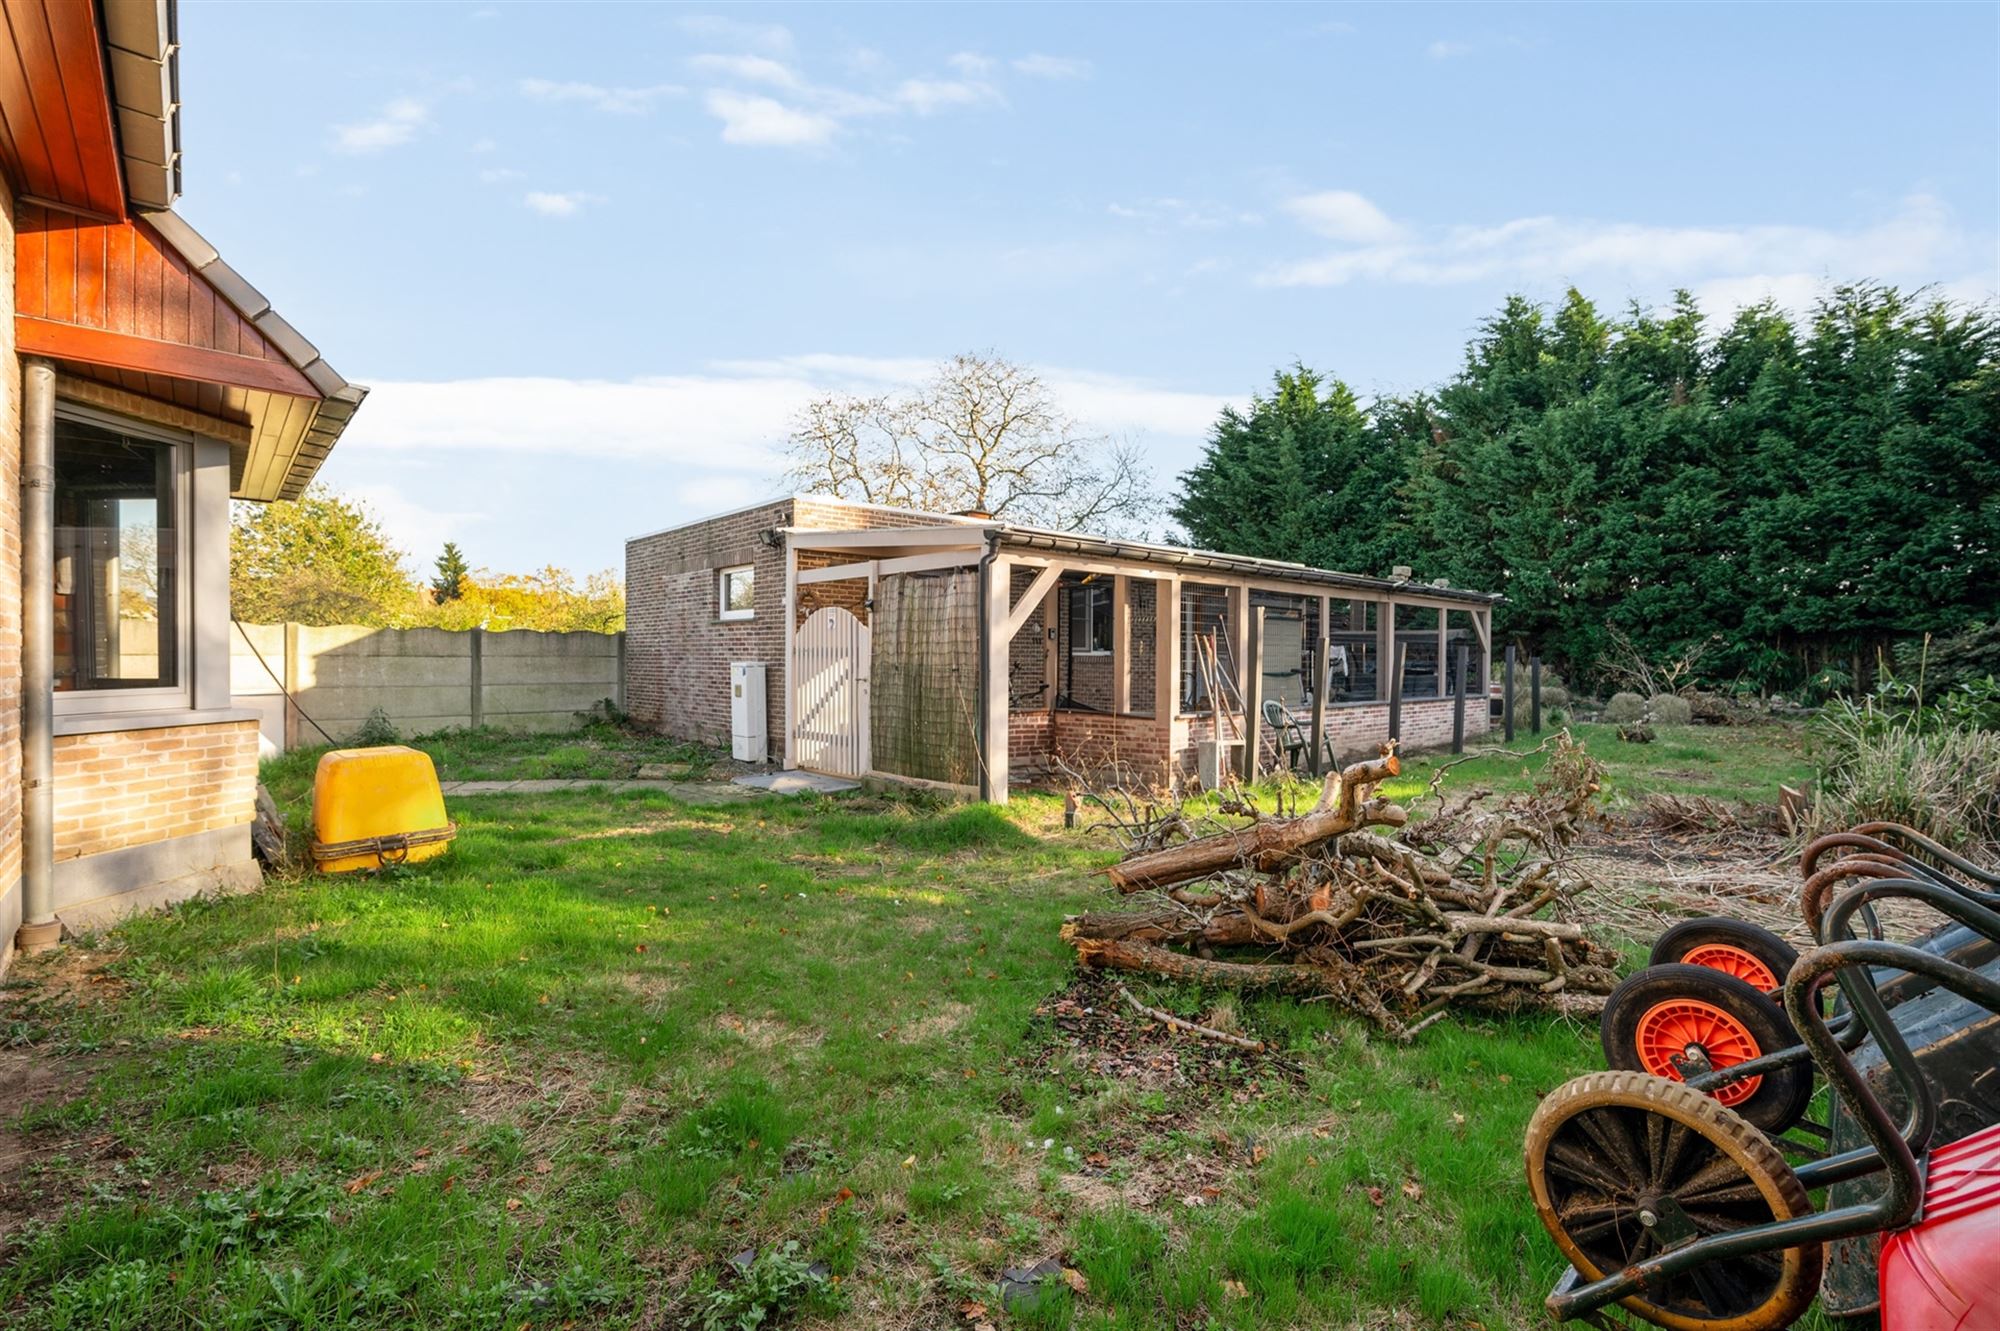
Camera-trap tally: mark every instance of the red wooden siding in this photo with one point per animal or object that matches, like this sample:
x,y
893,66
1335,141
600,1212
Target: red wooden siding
x,y
56,137
116,294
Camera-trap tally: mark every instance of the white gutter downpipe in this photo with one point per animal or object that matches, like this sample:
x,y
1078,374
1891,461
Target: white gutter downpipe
x,y
39,927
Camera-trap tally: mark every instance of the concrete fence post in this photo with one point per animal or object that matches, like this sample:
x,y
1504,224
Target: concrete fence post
x,y
1507,701
618,681
289,669
476,646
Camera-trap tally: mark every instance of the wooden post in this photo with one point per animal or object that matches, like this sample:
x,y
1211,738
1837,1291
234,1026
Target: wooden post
x,y
1507,694
1166,661
1458,702
1535,694
1396,692
1385,645
476,646
1253,693
1053,629
1320,648
1121,644
995,592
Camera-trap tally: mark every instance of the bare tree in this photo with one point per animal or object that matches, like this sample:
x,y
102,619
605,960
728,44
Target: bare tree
x,y
982,435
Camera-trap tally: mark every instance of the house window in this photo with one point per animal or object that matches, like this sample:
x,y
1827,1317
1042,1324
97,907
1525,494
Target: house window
x,y
1090,621
738,592
120,547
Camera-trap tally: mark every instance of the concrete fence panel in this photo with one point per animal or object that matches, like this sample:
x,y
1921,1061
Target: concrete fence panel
x,y
423,680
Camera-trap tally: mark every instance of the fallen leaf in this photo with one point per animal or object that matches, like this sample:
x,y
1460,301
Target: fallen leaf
x,y
972,1310
1235,1289
1258,1155
1413,1190
1076,1280
514,1203
361,1182
544,1166
1376,1195
909,1162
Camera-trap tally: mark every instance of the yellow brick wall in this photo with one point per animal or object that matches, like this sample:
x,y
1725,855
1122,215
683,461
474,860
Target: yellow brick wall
x,y
131,787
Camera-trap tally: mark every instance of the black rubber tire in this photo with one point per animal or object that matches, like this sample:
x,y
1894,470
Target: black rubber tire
x,y
1784,1093
1774,952
1596,1144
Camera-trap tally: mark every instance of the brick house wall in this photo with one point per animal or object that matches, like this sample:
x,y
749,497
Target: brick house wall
x,y
10,592
134,787
678,647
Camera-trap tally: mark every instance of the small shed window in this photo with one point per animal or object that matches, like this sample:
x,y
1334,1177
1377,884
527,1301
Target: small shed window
x,y
1090,620
738,592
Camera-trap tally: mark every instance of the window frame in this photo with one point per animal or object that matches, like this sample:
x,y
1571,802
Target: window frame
x,y
1091,603
178,696
722,608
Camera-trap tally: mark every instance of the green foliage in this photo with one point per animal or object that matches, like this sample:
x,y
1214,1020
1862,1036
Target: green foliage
x,y
452,571
378,729
773,1283
1810,492
320,559
1669,709
1932,763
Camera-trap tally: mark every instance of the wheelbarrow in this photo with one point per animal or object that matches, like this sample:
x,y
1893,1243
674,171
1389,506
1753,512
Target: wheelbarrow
x,y
1707,1012
1685,1213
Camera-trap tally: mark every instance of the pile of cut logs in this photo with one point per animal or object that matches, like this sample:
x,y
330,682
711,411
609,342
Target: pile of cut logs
x,y
1471,906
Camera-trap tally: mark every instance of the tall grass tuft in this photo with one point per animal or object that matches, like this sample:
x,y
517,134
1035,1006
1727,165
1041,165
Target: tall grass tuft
x,y
1933,764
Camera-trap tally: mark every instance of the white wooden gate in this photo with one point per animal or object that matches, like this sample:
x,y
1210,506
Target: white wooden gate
x,y
830,693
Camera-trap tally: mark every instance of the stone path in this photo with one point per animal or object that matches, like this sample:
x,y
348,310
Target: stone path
x,y
688,792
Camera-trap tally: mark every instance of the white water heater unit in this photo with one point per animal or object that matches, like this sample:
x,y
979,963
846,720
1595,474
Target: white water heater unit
x,y
749,740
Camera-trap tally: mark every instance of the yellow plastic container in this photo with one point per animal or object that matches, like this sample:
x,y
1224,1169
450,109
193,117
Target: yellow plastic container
x,y
379,806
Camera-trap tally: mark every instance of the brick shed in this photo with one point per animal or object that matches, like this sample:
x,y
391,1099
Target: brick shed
x,y
969,652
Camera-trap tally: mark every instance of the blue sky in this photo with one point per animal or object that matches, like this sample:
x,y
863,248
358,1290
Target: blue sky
x,y
591,258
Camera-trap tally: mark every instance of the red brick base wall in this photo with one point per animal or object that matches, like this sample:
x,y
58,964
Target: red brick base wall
x,y
1135,747
133,787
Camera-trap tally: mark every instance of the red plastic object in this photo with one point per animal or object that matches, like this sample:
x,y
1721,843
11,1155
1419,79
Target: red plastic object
x,y
1943,1273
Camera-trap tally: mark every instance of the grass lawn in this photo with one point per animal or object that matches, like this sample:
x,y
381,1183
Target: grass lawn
x,y
566,1074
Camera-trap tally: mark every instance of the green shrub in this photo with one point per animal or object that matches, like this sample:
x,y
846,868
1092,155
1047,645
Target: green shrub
x,y
1624,708
1932,764
1669,709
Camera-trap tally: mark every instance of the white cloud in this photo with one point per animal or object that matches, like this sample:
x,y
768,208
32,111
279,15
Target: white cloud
x,y
398,124
929,96
748,69
614,101
420,529
773,37
550,204
1342,215
1191,214
1442,50
730,421
1917,242
1039,66
500,175
750,119
971,64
